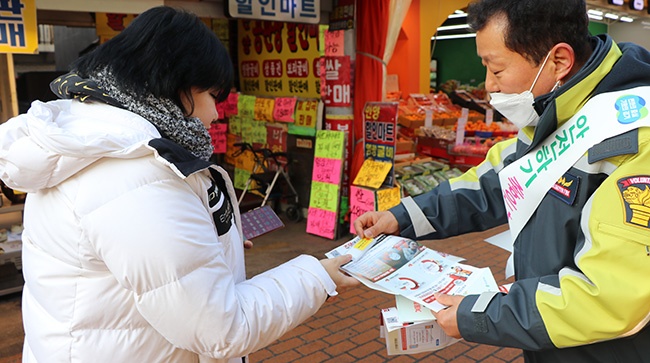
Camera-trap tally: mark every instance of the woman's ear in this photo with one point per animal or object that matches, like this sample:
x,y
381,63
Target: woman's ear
x,y
563,59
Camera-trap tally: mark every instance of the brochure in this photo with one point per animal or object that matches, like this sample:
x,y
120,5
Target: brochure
x,y
401,266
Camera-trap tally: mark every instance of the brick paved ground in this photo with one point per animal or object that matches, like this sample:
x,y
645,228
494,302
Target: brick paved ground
x,y
346,329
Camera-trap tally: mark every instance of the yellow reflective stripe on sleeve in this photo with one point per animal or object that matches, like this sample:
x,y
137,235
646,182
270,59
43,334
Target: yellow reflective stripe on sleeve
x,y
421,225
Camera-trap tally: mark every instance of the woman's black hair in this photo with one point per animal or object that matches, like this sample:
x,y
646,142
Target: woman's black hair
x,y
534,26
164,52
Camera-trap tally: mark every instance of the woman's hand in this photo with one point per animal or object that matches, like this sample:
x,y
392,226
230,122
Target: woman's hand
x,y
333,265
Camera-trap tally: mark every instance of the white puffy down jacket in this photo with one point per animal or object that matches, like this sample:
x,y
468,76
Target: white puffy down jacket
x,y
132,251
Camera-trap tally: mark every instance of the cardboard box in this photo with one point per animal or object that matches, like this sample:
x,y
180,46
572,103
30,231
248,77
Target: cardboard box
x,y
434,142
410,122
405,147
434,147
449,121
465,161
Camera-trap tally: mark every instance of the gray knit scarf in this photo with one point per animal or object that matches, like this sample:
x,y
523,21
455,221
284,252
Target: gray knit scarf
x,y
188,132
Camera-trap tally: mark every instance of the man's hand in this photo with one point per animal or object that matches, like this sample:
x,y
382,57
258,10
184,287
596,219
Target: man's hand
x,y
447,317
372,224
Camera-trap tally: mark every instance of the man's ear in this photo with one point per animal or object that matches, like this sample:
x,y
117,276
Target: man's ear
x,y
563,59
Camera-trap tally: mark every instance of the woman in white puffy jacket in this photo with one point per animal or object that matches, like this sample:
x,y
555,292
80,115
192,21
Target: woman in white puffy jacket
x,y
132,248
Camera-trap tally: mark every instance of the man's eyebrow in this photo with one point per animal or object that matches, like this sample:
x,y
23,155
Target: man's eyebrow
x,y
486,59
491,58
486,56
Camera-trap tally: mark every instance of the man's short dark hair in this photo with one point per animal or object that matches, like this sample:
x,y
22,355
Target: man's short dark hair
x,y
164,52
535,26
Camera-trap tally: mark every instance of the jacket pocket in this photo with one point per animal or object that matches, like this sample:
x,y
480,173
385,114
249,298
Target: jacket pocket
x,y
641,236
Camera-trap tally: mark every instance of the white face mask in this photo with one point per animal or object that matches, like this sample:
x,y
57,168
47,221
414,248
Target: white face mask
x,y
518,107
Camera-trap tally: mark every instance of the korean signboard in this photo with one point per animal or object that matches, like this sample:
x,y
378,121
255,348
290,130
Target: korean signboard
x,y
300,11
18,28
279,59
337,82
380,133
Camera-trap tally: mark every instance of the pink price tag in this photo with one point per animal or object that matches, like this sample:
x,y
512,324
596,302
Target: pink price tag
x,y
334,43
361,200
230,105
284,109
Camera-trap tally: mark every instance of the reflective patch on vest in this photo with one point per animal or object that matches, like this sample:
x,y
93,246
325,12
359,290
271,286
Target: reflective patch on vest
x,y
566,188
635,192
224,214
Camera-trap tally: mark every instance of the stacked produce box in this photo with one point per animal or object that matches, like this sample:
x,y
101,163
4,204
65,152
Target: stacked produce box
x,y
430,122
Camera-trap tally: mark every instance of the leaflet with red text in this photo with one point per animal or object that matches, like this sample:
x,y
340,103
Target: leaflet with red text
x,y
402,266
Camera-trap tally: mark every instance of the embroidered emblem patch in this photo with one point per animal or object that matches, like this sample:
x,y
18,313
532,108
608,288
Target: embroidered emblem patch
x,y
566,188
635,191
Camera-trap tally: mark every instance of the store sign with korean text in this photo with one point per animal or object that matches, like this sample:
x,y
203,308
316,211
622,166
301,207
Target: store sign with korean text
x,y
337,92
380,134
18,28
299,11
279,59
